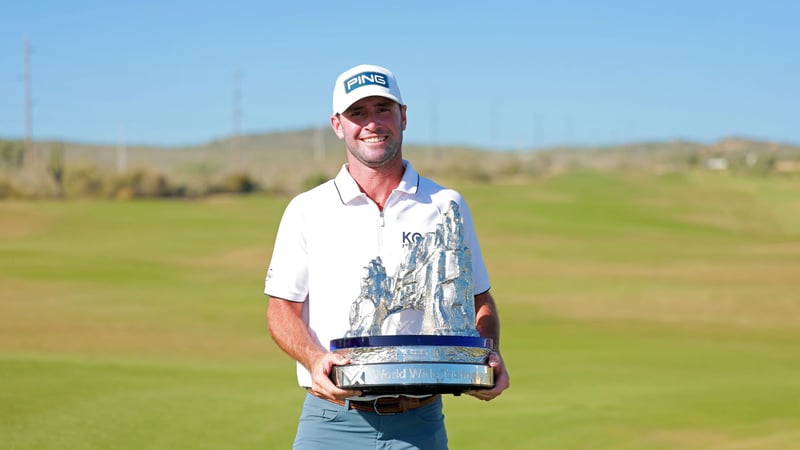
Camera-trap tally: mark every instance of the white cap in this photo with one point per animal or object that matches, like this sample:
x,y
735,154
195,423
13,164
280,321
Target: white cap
x,y
364,81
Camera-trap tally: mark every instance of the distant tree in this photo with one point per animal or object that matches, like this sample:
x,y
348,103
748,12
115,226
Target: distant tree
x,y
55,165
239,183
12,154
693,159
314,180
83,181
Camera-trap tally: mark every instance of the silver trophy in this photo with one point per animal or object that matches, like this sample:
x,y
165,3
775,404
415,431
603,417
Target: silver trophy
x,y
435,278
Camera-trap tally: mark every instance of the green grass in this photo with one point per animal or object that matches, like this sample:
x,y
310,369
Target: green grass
x,y
639,312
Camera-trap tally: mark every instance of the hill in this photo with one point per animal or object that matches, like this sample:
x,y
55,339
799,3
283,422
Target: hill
x,y
288,161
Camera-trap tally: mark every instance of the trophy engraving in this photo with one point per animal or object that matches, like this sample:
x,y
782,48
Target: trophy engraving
x,y
434,278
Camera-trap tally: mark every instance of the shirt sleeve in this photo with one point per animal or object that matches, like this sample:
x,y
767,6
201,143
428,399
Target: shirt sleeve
x,y
287,275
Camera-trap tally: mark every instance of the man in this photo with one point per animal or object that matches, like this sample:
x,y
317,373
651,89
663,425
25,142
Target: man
x,y
327,237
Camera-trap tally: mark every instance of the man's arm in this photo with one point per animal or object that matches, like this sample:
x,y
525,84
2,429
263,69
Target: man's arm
x,y
488,324
290,332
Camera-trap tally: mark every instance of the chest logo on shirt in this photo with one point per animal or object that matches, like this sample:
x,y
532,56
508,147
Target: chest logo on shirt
x,y
409,237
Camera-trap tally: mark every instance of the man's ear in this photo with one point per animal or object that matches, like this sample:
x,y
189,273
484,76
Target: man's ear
x,y
336,124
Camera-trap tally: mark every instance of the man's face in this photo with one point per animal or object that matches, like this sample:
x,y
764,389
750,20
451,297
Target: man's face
x,y
372,130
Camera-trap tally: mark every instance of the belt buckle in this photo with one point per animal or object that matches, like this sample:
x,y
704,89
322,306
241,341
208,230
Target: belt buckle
x,y
375,408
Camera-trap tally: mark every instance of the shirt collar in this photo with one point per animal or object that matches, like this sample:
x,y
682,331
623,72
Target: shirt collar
x,y
349,190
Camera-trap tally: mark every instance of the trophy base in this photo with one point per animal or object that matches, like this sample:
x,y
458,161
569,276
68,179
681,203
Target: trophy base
x,y
413,378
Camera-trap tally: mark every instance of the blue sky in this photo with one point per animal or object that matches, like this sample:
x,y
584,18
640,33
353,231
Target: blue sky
x,y
505,75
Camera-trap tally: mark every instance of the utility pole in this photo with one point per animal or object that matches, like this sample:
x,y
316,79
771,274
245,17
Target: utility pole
x,y
237,115
122,152
26,56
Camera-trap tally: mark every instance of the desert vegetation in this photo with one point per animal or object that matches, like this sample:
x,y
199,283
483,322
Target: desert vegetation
x,y
290,162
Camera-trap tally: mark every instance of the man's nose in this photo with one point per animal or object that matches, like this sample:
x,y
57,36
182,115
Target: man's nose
x,y
371,120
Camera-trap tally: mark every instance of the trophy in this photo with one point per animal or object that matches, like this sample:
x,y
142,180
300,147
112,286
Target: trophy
x,y
434,278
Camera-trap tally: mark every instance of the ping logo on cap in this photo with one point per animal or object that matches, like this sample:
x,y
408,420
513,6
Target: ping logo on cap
x,y
365,79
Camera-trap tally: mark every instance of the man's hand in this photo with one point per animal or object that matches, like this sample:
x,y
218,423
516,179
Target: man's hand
x,y
501,381
286,325
322,386
488,324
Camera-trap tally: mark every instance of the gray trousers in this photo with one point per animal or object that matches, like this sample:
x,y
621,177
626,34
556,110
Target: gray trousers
x,y
326,425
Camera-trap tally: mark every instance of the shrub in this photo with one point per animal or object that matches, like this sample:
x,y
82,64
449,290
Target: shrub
x,y
139,183
6,189
83,181
314,180
238,183
12,154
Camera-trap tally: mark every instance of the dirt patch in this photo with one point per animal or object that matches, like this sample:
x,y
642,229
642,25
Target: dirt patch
x,y
18,220
783,437
748,295
248,258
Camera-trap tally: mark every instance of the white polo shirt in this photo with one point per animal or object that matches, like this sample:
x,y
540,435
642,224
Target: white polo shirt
x,y
329,234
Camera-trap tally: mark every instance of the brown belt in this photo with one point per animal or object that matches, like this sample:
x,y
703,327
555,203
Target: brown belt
x,y
389,405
